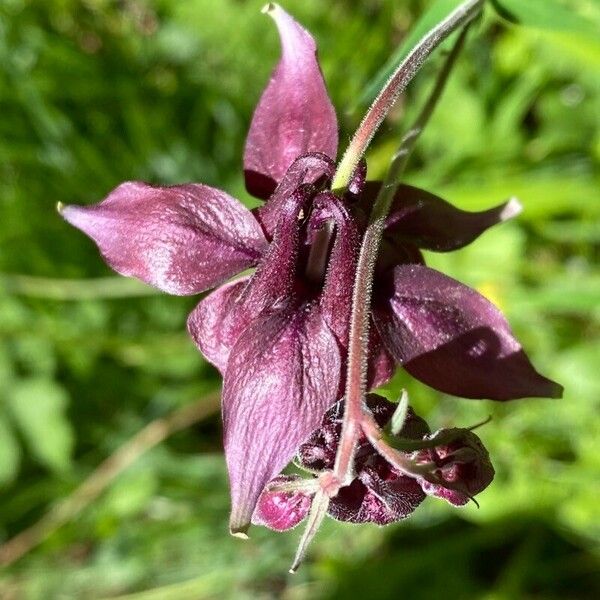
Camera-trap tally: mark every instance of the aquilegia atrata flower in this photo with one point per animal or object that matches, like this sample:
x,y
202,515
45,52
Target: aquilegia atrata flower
x,y
279,335
455,467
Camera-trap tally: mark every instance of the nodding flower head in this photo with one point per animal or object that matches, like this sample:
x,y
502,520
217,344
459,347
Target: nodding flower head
x,y
452,464
460,465
279,335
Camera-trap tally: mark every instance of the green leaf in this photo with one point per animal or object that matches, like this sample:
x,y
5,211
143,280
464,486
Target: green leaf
x,y
546,14
437,12
38,406
10,453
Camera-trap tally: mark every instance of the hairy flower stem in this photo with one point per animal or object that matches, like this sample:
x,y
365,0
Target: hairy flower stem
x,y
396,84
361,301
356,415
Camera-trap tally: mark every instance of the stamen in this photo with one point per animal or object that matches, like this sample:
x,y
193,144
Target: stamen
x,y
399,416
316,266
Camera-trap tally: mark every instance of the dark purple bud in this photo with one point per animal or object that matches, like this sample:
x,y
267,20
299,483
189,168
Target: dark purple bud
x,y
460,466
378,495
281,510
318,452
294,115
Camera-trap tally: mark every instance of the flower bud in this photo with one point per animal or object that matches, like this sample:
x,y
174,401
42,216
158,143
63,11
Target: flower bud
x,y
282,510
460,466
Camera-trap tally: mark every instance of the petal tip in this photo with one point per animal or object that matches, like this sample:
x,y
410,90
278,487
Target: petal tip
x,y
239,531
269,8
511,209
556,390
240,535
73,214
239,521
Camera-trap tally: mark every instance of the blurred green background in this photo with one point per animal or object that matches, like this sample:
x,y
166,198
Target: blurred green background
x,y
96,92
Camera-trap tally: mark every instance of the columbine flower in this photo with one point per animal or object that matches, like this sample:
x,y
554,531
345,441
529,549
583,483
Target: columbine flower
x,y
455,466
378,494
280,335
460,465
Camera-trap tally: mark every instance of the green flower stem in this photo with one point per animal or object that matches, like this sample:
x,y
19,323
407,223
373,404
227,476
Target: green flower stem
x,y
355,412
395,85
361,300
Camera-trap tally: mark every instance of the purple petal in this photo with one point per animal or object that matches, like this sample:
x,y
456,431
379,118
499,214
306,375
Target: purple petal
x,y
434,224
294,115
220,318
424,219
336,299
281,511
217,322
182,239
283,374
453,339
306,169
381,364
274,277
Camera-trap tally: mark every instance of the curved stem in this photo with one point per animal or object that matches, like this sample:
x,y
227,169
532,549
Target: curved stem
x,y
395,85
363,284
356,416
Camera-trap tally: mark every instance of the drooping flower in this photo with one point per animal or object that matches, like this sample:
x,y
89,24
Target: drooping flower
x,y
279,336
455,470
378,493
460,465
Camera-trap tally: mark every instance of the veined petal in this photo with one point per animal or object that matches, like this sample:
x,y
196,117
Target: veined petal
x,y
429,222
282,376
294,115
453,339
183,239
220,318
307,169
217,322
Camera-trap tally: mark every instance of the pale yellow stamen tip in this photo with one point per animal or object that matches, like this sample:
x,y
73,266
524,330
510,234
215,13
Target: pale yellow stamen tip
x,y
59,207
241,535
269,7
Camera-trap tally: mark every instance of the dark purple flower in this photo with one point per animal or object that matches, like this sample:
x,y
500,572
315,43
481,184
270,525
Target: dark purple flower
x,y
279,336
460,464
378,494
281,510
454,466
